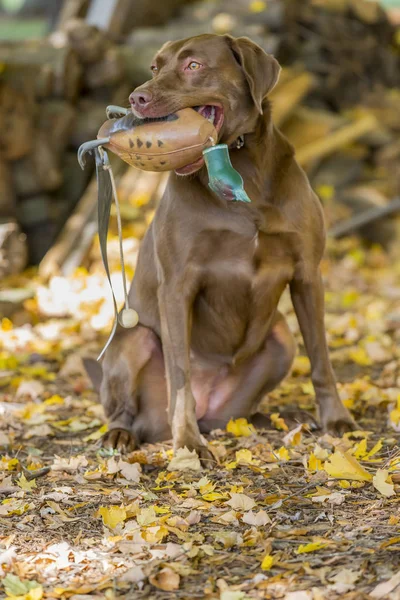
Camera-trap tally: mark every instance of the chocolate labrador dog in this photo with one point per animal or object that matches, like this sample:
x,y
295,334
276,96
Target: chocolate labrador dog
x,y
211,341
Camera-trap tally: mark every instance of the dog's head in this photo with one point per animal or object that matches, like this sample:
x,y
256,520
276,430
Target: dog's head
x,y
224,78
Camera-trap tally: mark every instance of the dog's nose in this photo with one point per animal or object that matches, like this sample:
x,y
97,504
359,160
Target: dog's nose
x,y
140,99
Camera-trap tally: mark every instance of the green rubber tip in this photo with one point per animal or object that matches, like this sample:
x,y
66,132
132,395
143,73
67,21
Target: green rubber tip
x,y
224,180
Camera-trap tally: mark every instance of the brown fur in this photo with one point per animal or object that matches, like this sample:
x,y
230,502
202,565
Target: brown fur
x,y
210,273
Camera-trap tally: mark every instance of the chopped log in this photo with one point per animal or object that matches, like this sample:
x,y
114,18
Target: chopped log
x,y
13,249
40,237
7,193
39,171
34,81
56,120
61,62
305,126
16,123
288,95
90,114
73,9
108,71
72,238
382,234
337,139
88,41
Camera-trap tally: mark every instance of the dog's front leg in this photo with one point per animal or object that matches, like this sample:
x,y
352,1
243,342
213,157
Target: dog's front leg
x,y
175,304
308,302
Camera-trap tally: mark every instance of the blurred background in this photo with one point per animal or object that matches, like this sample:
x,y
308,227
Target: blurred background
x,y
63,62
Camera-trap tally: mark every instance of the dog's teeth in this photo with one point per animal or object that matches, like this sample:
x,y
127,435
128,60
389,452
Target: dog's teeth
x,y
212,116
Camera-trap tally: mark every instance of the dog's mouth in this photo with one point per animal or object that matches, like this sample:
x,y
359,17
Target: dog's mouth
x,y
213,113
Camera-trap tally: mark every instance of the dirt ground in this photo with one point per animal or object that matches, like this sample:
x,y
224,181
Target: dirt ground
x,y
287,513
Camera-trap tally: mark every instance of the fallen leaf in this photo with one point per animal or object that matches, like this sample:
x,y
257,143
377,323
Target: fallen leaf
x,y
311,547
166,579
22,589
185,460
382,590
241,502
26,485
43,430
133,575
344,580
69,465
379,482
278,422
267,562
257,519
342,465
240,428
331,498
293,438
131,471
112,515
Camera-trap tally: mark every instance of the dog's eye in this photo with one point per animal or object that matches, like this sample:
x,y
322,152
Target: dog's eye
x,y
194,66
154,69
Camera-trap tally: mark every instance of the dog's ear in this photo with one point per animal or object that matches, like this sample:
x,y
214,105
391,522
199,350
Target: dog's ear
x,y
95,372
261,69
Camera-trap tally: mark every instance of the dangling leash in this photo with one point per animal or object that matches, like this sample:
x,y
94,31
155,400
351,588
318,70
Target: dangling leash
x,y
107,191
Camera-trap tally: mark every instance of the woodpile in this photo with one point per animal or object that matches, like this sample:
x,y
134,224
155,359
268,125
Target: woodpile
x,y
337,101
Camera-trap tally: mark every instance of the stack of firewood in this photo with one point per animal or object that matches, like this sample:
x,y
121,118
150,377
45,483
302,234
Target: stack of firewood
x,y
337,102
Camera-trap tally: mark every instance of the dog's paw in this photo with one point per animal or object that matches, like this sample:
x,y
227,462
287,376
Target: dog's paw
x,y
339,424
120,439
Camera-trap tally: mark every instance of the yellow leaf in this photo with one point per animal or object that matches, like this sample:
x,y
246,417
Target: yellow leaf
x,y
155,535
245,457
56,399
283,453
6,324
267,562
147,516
344,484
311,547
96,435
307,388
360,356
361,449
314,463
26,485
8,464
325,192
393,520
213,496
342,465
161,510
257,6
349,298
394,415
301,365
206,486
293,438
240,427
374,450
278,422
379,482
231,465
112,515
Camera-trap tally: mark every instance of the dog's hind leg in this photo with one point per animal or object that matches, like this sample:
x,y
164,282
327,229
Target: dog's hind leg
x,y
128,356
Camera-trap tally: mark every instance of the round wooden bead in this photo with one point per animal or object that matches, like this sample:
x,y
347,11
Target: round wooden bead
x,y
128,318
